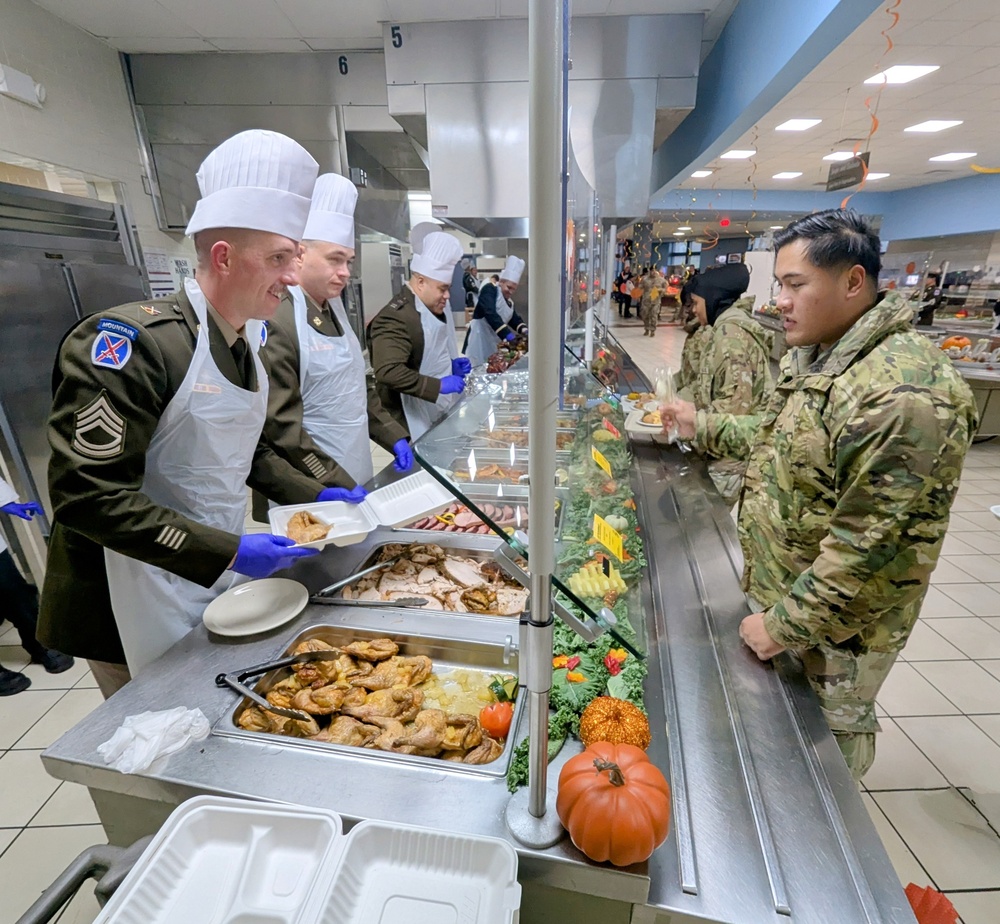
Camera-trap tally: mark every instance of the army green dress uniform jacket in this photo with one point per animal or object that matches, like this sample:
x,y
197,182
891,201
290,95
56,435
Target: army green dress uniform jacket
x,y
733,377
396,348
284,430
853,467
102,421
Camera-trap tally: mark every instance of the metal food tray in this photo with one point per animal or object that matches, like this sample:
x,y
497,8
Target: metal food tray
x,y
499,554
446,653
480,493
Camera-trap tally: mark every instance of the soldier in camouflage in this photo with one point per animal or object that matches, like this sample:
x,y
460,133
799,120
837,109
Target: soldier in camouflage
x,y
852,469
652,287
734,374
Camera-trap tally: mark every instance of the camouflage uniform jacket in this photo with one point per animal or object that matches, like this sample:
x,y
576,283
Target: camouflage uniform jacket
x,y
652,288
852,469
734,377
694,348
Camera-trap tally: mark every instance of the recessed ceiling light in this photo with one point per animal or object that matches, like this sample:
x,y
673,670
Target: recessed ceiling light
x,y
685,228
903,73
934,125
955,155
797,125
678,234
787,175
776,228
701,174
737,154
876,176
839,155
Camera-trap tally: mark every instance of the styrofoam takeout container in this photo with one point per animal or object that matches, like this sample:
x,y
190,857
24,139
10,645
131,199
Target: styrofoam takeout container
x,y
233,860
401,502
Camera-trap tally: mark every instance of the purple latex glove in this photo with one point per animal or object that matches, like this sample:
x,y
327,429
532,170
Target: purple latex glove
x,y
260,554
404,457
511,337
353,496
452,385
24,511
461,366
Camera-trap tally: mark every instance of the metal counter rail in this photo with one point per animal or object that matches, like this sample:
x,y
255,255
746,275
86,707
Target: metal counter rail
x,y
769,826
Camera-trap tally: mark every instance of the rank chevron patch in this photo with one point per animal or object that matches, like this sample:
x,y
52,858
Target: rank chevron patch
x,y
99,430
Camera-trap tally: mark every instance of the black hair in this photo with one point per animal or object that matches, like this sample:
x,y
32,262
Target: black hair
x,y
835,239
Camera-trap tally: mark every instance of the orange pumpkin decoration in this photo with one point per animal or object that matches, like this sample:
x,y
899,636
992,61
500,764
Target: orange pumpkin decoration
x,y
616,721
614,803
956,342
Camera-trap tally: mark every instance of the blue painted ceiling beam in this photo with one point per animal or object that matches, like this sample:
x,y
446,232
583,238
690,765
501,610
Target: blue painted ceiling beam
x,y
767,47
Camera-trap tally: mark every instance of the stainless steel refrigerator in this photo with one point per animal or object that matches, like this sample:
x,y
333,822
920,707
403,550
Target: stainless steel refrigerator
x,y
61,258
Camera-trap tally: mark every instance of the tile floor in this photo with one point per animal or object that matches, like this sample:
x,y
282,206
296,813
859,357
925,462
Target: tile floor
x,y
932,793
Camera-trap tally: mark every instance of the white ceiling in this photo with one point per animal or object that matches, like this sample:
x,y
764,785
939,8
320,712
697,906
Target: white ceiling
x,y
315,25
961,37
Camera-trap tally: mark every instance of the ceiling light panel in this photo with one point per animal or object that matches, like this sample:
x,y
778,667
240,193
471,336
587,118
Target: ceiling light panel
x,y
839,155
903,73
737,154
876,176
954,155
787,175
797,125
934,125
701,174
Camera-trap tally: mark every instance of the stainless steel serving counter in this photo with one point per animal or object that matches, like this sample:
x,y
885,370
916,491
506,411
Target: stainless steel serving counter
x,y
767,825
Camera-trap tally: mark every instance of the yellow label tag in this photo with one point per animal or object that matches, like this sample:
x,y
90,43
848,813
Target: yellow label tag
x,y
609,537
598,457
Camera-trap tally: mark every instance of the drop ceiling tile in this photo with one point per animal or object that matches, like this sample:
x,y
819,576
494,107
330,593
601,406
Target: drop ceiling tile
x,y
260,44
359,43
335,19
145,18
233,18
431,10
161,45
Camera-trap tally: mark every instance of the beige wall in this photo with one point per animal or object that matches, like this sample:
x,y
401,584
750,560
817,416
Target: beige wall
x,y
86,124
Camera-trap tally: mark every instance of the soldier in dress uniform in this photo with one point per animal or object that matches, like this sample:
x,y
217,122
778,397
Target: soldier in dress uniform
x,y
734,373
321,411
156,424
495,318
418,369
853,465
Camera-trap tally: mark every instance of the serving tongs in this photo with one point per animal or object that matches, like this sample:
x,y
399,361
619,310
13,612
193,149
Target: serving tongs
x,y
343,582
236,680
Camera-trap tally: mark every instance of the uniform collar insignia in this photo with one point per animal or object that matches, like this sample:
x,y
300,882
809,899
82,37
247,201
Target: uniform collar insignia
x,y
149,309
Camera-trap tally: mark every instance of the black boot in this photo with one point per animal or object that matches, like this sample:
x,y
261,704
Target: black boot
x,y
54,662
12,682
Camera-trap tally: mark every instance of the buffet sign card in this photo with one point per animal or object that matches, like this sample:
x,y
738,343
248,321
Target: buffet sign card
x,y
612,429
609,537
598,457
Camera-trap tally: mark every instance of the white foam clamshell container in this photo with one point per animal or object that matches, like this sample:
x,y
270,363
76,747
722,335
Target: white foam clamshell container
x,y
232,861
397,504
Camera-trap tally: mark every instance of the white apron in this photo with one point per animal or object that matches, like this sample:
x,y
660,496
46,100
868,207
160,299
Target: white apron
x,y
197,464
483,341
334,392
439,350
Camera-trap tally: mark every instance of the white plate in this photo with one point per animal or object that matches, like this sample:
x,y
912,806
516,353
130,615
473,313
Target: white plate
x,y
255,607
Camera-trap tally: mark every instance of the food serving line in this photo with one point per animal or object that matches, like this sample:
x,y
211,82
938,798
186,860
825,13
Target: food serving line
x,y
766,824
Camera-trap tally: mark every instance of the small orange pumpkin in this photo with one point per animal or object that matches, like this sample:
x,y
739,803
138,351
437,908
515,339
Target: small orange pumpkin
x,y
956,342
614,803
614,720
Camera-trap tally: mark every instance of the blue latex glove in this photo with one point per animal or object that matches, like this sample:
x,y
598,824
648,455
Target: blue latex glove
x,y
261,554
24,511
523,330
353,496
404,457
452,385
511,337
461,366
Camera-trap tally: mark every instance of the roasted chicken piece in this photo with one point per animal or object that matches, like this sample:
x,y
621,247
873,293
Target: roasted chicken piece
x,y
301,728
402,704
345,730
255,719
378,649
304,527
391,730
487,751
310,672
283,692
463,733
479,600
396,672
427,731
321,700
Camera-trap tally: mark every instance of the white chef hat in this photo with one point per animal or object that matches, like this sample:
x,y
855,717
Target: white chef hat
x,y
419,232
437,258
512,269
331,216
257,179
